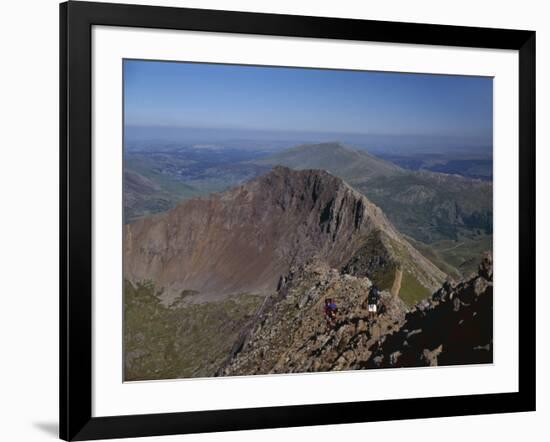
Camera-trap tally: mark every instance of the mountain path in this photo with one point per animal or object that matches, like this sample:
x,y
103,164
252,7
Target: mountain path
x,y
452,248
396,287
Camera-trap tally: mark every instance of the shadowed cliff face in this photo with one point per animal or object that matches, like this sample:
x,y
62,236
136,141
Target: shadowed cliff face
x,y
453,327
244,239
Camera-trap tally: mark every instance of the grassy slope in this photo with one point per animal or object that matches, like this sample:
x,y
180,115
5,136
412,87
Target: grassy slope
x,y
464,254
411,290
335,158
183,341
429,252
459,259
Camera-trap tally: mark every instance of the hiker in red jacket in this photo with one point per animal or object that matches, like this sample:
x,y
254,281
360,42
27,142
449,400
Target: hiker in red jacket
x,y
330,312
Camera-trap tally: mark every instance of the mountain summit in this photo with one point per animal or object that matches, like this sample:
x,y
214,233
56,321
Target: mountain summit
x,y
427,206
246,239
336,158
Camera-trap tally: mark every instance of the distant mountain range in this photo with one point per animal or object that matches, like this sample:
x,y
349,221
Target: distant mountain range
x,y
467,164
447,217
142,138
159,180
349,164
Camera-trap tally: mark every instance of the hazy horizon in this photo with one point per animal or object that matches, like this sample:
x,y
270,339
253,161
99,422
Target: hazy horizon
x,y
158,137
190,103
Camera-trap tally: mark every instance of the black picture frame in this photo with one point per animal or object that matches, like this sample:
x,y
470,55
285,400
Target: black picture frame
x,y
76,21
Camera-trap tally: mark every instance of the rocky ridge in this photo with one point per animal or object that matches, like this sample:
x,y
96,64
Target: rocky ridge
x,y
244,239
289,333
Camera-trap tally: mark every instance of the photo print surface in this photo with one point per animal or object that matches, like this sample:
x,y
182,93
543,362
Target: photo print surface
x,y
291,220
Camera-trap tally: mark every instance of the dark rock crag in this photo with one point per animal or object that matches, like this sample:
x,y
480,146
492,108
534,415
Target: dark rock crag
x,y
453,327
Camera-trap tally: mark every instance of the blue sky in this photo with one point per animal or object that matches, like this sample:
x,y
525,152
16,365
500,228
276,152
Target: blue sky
x,y
292,99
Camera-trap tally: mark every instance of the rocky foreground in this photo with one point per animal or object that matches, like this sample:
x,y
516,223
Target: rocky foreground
x,y
290,334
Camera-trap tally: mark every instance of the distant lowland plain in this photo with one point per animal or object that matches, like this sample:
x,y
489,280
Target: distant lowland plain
x,y
237,234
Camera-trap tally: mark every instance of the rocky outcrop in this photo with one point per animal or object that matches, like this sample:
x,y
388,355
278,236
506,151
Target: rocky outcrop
x,y
244,239
291,334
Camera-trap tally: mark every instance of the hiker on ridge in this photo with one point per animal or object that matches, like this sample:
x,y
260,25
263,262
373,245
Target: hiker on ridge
x,y
330,312
372,301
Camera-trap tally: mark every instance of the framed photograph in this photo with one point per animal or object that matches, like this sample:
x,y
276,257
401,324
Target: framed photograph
x,y
273,220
